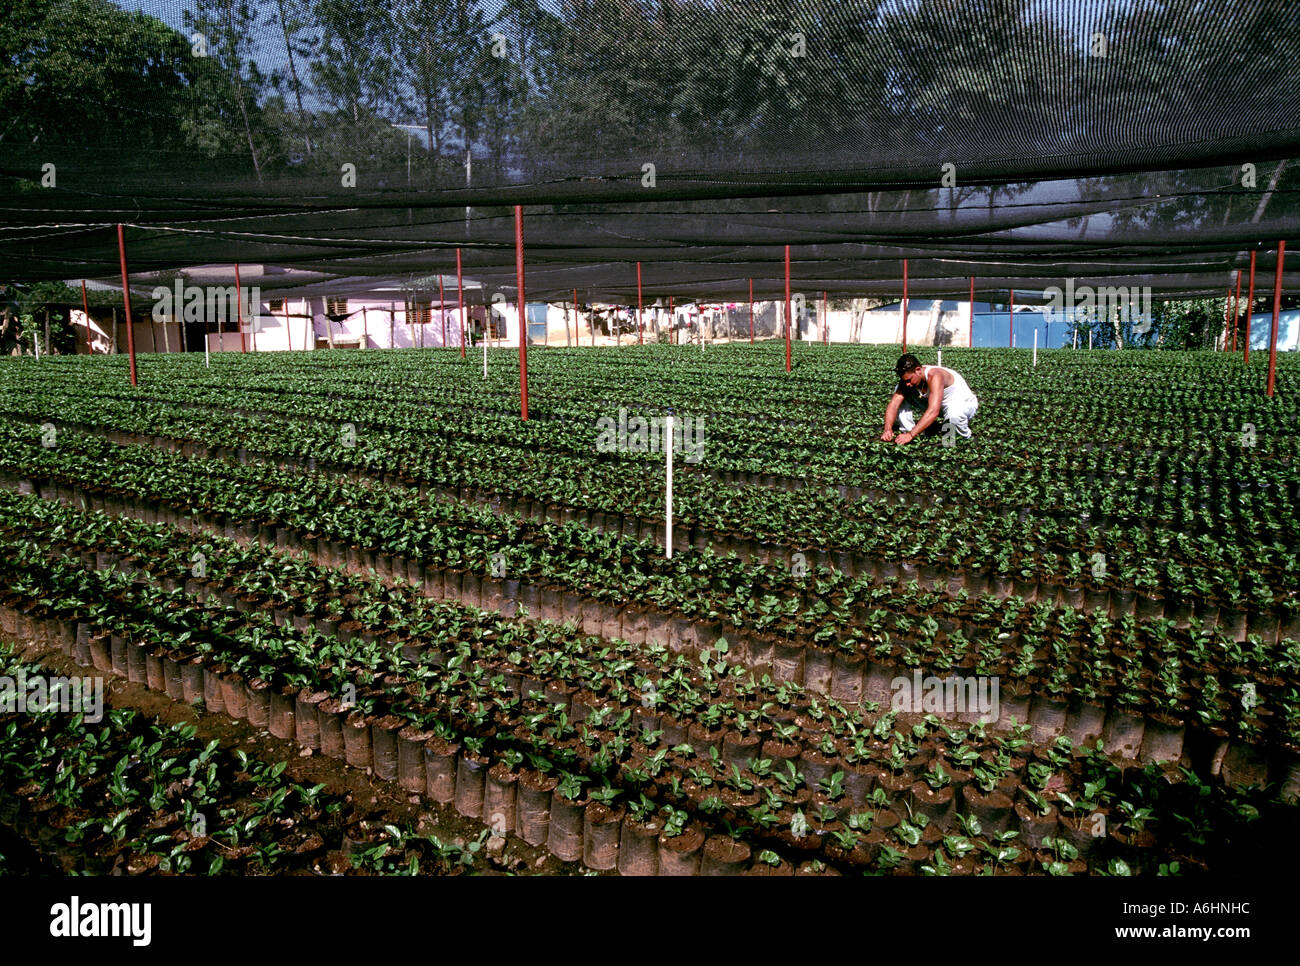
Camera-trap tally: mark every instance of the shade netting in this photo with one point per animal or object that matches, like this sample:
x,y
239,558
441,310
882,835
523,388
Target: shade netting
x,y
1021,143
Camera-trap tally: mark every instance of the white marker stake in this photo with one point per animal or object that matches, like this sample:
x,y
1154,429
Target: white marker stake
x,y
940,354
1090,340
206,361
485,354
1035,347
36,347
668,500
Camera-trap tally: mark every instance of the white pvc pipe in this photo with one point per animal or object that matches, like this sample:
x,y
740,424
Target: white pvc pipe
x,y
36,348
668,496
1035,347
1090,340
485,351
940,354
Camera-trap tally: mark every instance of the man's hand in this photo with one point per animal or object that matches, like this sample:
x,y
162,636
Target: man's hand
x,y
887,436
904,438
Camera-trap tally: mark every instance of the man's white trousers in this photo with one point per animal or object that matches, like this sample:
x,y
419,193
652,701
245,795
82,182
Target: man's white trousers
x,y
958,412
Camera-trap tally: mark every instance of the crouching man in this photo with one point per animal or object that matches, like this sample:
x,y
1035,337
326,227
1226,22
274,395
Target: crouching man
x,y
923,394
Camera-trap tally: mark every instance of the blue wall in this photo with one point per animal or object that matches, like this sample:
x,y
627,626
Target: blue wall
x,y
991,325
994,329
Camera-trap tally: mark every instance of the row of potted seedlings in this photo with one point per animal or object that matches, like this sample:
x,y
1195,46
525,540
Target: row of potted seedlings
x,y
1133,684
688,797
1237,624
1118,585
769,525
127,795
295,706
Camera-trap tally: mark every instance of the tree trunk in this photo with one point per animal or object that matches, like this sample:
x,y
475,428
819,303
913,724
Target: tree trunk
x,y
1268,192
523,61
469,172
239,88
435,149
293,71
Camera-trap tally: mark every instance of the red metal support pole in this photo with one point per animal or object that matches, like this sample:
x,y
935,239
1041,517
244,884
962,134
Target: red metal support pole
x,y
970,336
751,311
460,303
1277,310
85,308
126,299
1250,307
1011,319
787,308
239,309
523,315
442,308
640,339
1236,299
904,304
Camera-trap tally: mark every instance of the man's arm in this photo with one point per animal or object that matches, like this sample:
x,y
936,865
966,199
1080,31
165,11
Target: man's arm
x,y
931,410
891,413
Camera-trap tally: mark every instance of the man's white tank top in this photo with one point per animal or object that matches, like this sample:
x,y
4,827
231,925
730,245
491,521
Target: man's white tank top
x,y
958,389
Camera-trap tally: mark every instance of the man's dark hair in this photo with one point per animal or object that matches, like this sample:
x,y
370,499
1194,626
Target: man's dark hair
x,y
906,363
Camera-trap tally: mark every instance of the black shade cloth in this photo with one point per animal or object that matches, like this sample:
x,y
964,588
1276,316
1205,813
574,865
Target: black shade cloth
x,y
822,126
